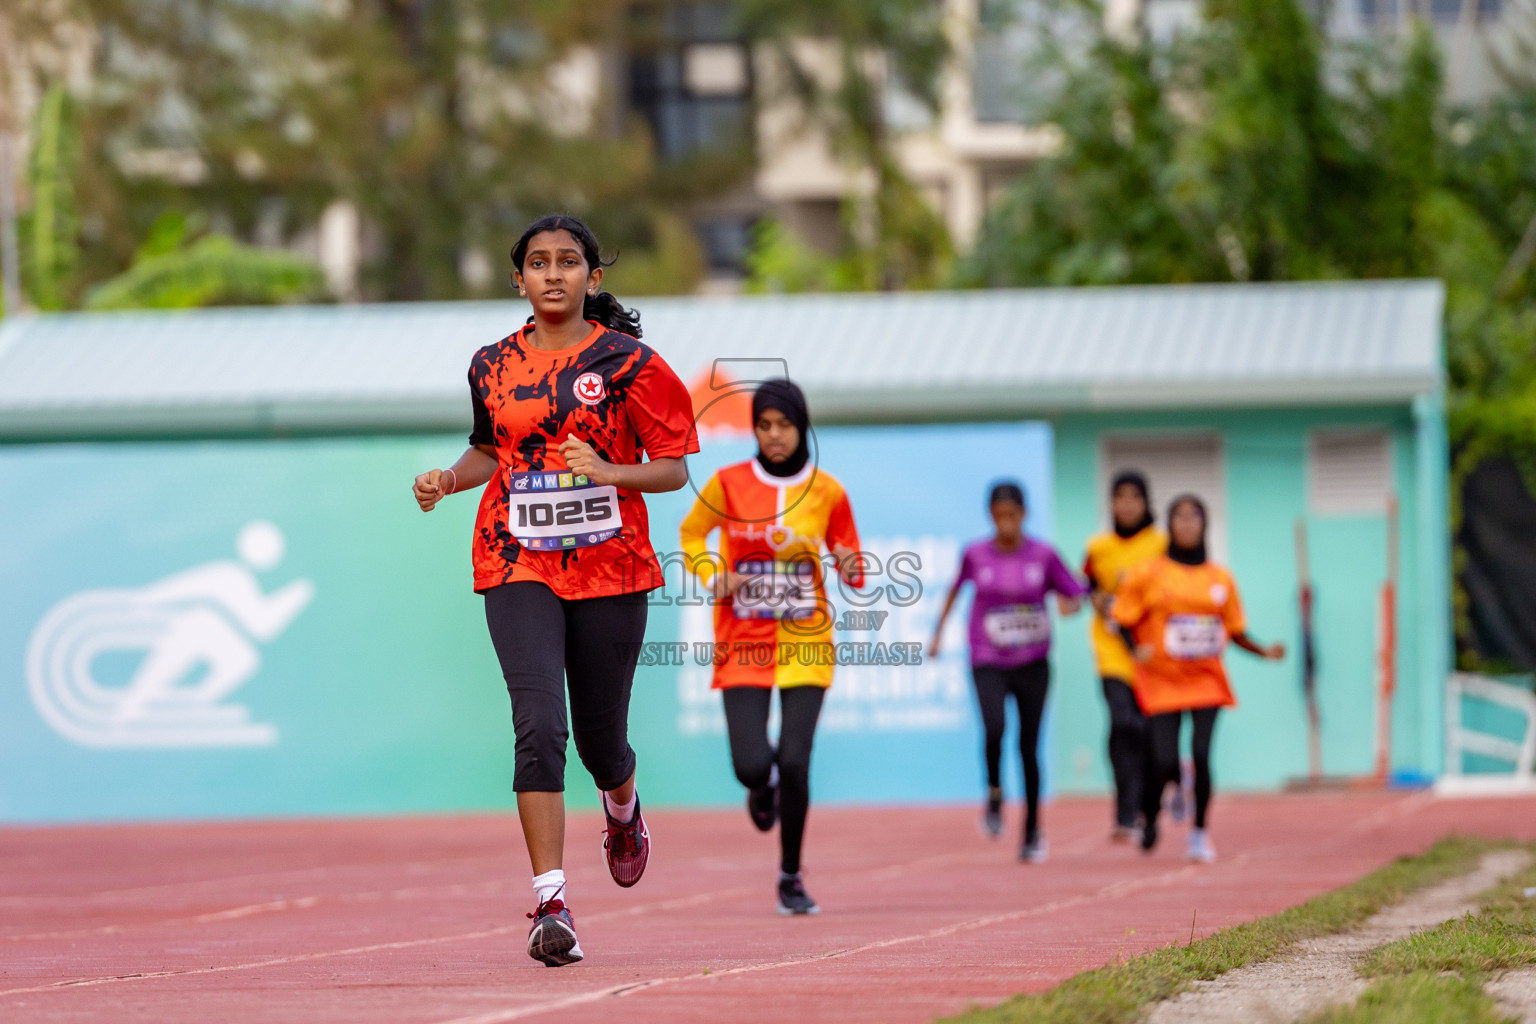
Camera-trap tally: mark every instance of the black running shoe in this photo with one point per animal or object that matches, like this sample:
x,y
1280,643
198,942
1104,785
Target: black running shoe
x,y
1148,836
793,899
992,816
763,807
628,847
552,939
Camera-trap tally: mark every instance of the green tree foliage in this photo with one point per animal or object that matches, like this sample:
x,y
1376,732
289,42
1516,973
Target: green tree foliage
x,y
439,119
894,237
1223,155
214,270
50,229
1250,149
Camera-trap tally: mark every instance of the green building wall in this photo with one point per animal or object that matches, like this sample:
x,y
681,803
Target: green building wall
x,y
1263,742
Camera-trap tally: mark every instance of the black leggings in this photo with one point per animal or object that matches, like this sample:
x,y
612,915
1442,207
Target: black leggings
x,y
1028,684
1163,759
544,642
1127,738
746,719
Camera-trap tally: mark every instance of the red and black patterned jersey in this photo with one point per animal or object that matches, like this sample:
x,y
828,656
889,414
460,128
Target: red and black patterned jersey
x,y
538,521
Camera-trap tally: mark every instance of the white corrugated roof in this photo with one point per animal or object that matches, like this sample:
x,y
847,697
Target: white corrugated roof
x,y
913,355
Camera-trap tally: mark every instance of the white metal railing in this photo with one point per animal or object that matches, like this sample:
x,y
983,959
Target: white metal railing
x,y
1460,740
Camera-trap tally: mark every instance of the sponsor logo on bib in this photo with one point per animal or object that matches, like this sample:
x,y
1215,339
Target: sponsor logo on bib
x,y
589,388
565,514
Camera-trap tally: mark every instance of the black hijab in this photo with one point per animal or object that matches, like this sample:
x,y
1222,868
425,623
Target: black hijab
x,y
1196,554
1132,478
784,395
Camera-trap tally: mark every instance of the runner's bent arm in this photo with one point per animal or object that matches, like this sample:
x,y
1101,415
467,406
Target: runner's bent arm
x,y
1097,595
843,542
1069,589
651,477
1273,652
1128,612
473,469
938,627
949,603
703,519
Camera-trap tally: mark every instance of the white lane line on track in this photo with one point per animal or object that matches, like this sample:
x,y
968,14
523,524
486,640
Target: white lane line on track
x,y
676,903
271,877
487,888
1108,891
1379,818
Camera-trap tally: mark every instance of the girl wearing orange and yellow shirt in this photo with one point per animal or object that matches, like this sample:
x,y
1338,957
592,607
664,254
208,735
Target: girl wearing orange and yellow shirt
x,y
1178,612
773,627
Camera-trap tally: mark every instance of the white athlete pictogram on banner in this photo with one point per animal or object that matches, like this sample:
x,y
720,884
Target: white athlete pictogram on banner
x,y
198,632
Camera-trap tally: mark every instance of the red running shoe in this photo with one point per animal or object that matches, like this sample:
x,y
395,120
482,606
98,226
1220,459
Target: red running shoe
x,y
552,939
628,847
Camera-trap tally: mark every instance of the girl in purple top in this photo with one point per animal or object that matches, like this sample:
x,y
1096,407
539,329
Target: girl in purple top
x,y
1010,634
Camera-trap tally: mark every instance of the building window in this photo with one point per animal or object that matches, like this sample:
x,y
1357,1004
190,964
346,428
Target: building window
x,y
1349,472
1012,79
1446,12
1173,464
726,240
690,77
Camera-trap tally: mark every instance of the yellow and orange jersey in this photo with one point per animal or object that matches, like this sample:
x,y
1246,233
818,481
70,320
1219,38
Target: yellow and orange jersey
x,y
1187,613
1110,558
776,630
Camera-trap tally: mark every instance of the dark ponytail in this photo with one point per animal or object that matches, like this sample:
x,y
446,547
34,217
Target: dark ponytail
x,y
602,308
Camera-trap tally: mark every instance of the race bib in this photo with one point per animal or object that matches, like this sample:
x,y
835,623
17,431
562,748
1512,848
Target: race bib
x,y
1017,625
551,511
775,590
1192,637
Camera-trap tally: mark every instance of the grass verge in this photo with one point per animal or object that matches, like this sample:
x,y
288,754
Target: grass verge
x,y
1438,974
1499,937
1418,998
1117,993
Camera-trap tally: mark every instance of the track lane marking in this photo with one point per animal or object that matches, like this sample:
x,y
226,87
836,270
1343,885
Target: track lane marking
x,y
1382,816
1112,890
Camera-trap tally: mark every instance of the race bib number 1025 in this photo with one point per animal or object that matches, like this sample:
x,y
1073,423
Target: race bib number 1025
x,y
551,511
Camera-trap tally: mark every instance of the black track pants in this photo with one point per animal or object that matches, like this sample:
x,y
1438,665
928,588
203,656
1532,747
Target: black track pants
x,y
1028,685
1127,737
746,720
1163,759
546,643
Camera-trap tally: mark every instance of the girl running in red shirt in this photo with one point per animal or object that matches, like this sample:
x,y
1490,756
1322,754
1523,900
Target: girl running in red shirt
x,y
563,411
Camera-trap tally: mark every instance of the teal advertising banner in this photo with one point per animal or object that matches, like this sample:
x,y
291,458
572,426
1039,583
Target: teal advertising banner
x,y
271,627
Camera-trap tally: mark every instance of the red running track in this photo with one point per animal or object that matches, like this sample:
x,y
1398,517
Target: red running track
x,y
421,920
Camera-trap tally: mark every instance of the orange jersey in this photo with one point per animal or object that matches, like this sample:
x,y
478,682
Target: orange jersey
x,y
1110,559
537,520
777,628
1186,613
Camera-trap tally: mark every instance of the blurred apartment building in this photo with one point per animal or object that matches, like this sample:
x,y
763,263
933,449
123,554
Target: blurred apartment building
x,y
686,69
701,87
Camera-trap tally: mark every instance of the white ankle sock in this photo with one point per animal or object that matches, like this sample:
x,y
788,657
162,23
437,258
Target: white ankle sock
x,y
624,813
549,885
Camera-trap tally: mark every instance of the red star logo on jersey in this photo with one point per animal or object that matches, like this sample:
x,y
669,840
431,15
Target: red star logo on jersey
x,y
589,388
